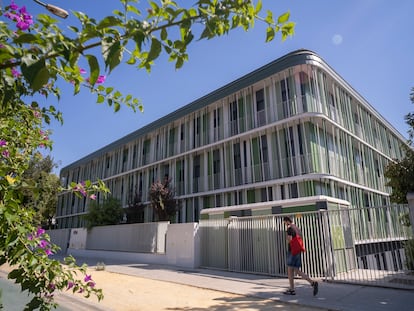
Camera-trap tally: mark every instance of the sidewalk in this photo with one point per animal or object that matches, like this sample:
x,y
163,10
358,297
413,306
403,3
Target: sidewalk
x,y
140,287
332,296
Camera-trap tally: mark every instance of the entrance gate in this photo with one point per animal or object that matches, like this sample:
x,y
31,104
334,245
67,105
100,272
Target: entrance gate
x,y
364,245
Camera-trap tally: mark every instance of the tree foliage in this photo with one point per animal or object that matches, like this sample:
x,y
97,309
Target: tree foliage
x,y
36,56
108,213
163,201
135,209
409,119
400,172
42,189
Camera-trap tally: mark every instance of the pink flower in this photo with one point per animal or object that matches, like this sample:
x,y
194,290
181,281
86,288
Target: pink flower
x,y
101,79
6,154
70,285
22,18
15,73
37,114
25,19
3,142
40,231
91,284
14,6
43,244
92,197
80,188
82,71
88,278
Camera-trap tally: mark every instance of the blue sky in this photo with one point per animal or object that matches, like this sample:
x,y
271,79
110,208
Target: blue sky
x,y
368,42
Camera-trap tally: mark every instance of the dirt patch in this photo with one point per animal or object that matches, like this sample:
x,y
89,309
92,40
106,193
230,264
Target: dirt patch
x,y
131,293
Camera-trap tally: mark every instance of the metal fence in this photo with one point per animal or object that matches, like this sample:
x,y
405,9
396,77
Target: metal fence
x,y
364,245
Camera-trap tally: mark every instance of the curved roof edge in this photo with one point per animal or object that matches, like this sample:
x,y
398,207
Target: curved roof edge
x,y
297,57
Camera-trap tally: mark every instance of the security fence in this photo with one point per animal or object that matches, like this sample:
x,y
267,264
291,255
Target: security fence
x,y
363,245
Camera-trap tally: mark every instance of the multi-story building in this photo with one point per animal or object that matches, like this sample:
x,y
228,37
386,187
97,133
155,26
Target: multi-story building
x,y
291,135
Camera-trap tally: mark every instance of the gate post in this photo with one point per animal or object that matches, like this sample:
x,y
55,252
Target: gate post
x,y
410,199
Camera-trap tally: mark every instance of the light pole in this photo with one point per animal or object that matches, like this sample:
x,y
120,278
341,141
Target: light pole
x,y
54,9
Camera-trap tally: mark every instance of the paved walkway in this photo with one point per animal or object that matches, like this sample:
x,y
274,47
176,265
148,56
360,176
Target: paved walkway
x,y
255,289
332,296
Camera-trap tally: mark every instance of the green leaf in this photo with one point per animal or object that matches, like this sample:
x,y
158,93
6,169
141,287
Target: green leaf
x,y
155,50
270,34
132,60
206,33
139,38
112,54
14,274
25,38
179,63
100,99
258,6
109,21
74,29
269,17
36,74
164,34
117,106
94,68
131,8
283,18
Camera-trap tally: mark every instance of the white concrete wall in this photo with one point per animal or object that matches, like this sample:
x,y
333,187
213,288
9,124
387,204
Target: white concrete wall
x,y
120,257
78,238
137,238
60,237
183,245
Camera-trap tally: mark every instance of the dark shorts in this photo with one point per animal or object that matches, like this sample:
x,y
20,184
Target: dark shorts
x,y
294,261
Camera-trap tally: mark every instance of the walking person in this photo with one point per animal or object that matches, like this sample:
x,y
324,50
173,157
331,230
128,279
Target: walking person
x,y
294,259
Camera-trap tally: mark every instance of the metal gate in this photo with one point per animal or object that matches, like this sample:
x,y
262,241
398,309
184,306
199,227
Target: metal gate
x,y
364,245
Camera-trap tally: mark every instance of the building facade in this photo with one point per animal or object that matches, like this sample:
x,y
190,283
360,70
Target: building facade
x,y
289,136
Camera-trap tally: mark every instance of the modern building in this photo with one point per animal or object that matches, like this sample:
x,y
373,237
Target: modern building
x,y
290,136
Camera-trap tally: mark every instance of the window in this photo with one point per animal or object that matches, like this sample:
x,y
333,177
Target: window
x,y
196,136
217,124
145,151
216,118
233,118
263,194
290,142
216,161
293,190
237,164
260,108
260,104
284,86
236,156
196,172
265,153
124,159
233,111
182,132
300,139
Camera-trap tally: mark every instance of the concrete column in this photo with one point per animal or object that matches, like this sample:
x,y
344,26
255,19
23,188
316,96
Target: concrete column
x,y
410,199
